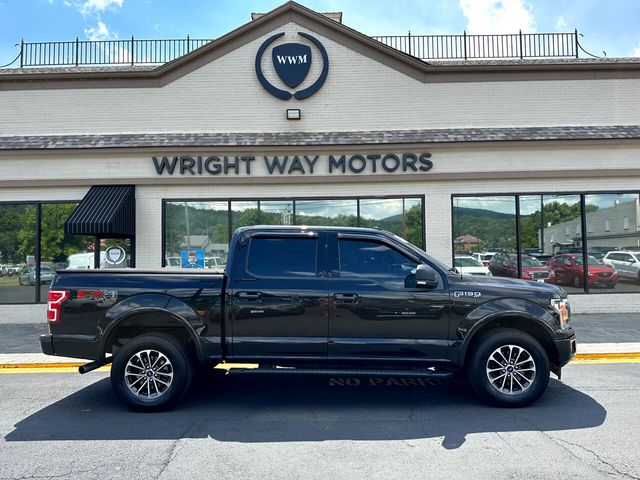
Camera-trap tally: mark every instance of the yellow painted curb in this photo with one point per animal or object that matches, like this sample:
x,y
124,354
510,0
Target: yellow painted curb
x,y
40,365
598,356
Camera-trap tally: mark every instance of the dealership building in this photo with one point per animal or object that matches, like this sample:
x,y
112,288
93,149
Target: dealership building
x,y
295,118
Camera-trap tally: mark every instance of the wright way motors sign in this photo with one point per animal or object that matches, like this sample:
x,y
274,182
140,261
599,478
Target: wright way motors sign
x,y
284,165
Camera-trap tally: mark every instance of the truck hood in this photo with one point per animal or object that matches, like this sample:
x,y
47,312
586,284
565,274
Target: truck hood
x,y
503,286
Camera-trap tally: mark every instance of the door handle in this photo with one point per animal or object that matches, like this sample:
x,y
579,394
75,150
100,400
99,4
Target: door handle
x,y
249,296
345,297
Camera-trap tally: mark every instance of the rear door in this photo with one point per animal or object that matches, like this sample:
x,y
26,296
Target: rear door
x,y
621,261
377,313
277,297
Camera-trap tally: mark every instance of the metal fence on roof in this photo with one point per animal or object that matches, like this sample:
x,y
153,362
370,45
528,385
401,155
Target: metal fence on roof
x,y
424,47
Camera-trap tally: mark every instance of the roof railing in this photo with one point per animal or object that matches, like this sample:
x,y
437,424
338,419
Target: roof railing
x,y
424,47
477,47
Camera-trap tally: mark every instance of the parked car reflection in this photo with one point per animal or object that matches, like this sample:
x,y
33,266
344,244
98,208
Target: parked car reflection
x,y
470,265
28,276
626,263
506,265
569,270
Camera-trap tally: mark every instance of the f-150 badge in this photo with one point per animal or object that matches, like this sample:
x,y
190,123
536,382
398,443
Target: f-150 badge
x,y
458,294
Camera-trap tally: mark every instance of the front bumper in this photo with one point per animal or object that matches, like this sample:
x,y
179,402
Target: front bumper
x,y
566,348
74,346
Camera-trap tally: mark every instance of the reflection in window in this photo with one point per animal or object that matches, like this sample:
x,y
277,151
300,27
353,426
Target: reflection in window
x,y
17,253
276,212
195,226
204,224
614,235
402,216
484,224
244,214
327,212
58,250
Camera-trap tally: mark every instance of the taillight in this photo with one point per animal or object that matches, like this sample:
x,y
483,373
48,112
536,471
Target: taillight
x,y
56,299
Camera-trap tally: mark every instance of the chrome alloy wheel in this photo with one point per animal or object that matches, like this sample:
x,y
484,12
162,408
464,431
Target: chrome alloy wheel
x,y
148,374
511,369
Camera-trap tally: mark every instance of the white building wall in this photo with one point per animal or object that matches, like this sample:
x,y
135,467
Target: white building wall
x,y
360,94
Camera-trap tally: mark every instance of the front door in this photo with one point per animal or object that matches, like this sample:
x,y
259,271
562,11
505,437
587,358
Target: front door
x,y
277,298
377,313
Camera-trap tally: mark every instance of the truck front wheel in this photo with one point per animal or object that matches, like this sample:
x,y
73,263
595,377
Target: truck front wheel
x,y
151,372
508,368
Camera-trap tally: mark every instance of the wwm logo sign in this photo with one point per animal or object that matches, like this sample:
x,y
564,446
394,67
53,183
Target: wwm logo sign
x,y
292,60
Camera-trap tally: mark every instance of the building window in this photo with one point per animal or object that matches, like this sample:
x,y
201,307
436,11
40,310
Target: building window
x,y
28,262
198,226
18,253
327,212
207,225
545,223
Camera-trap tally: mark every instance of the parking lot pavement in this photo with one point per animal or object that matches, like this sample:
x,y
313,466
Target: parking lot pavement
x,y
270,427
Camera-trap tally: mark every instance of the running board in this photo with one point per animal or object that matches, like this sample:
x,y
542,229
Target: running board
x,y
339,371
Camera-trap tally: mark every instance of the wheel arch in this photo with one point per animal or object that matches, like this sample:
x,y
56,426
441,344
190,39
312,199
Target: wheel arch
x,y
148,320
521,322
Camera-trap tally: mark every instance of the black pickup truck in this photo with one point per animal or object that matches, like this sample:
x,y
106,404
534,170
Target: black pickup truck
x,y
322,300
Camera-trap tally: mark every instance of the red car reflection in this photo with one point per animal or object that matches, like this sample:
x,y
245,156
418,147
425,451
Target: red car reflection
x,y
506,265
568,269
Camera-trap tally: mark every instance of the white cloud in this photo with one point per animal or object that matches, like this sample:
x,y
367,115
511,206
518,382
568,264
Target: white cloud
x,y
498,16
560,24
636,51
99,32
89,7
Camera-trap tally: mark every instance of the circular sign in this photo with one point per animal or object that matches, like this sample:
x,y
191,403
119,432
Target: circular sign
x,y
292,62
114,255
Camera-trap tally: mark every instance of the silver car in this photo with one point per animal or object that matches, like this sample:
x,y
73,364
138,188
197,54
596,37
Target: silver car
x,y
28,276
627,264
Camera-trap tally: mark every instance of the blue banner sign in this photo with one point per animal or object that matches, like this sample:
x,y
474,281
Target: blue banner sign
x,y
192,258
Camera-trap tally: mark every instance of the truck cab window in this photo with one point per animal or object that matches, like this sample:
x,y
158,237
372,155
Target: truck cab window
x,y
282,257
373,260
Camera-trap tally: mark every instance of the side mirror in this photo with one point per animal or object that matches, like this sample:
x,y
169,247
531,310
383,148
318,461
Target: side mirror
x,y
426,277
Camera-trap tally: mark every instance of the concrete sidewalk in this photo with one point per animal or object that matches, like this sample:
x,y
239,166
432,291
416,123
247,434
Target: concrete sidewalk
x,y
598,334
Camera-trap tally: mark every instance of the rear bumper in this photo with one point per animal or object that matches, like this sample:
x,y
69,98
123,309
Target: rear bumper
x,y
566,348
74,346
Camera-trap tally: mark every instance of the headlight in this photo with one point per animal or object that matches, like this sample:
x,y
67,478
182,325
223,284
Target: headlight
x,y
561,306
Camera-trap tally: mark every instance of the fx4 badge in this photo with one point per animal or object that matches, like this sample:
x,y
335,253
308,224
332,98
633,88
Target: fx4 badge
x,y
98,296
458,294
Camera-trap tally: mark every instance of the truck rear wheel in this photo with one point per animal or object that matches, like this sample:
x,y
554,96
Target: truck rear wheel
x,y
151,372
508,368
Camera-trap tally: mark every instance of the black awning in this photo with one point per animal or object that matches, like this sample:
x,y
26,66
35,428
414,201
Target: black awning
x,y
105,211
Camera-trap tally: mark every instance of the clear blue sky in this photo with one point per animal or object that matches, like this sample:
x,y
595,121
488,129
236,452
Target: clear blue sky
x,y
610,25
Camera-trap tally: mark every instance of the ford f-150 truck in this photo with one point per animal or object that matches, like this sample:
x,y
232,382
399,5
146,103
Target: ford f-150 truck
x,y
311,300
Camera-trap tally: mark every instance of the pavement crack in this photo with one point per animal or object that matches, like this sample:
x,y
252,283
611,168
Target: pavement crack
x,y
506,442
563,444
175,449
616,470
44,477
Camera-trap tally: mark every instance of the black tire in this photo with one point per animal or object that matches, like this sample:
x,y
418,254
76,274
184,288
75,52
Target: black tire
x,y
478,364
576,281
156,398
